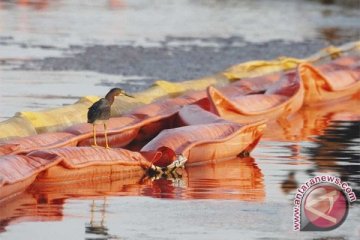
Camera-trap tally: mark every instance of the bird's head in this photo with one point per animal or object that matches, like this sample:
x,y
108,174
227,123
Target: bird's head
x,y
116,92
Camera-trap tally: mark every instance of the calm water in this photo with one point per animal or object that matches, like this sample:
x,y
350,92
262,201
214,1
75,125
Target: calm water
x,y
243,198
58,24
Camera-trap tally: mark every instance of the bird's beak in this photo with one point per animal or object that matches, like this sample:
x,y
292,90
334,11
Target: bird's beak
x,y
128,95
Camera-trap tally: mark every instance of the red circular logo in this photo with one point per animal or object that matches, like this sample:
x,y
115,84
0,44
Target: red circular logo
x,y
325,207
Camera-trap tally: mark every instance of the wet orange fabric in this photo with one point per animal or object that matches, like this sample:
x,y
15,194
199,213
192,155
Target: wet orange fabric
x,y
218,139
203,137
194,115
8,191
79,157
22,169
83,180
121,131
280,99
45,140
250,85
205,143
337,80
14,168
82,163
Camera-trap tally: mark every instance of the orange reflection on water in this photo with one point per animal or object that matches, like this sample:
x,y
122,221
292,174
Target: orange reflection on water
x,y
45,202
35,4
239,179
312,121
28,207
334,129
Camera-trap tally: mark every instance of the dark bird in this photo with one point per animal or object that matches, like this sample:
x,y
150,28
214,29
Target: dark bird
x,y
100,111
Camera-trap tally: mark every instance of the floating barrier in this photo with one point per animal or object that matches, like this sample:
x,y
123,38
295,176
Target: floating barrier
x,y
286,93
68,164
16,127
58,119
337,80
17,172
210,139
259,68
281,99
142,123
49,155
41,141
219,123
331,53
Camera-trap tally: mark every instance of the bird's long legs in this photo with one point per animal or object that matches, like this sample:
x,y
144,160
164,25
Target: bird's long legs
x,y
94,134
106,139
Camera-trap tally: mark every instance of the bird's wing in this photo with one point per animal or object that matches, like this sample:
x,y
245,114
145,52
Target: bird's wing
x,y
95,111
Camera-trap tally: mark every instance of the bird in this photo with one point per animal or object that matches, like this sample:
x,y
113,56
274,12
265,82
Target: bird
x,y
100,111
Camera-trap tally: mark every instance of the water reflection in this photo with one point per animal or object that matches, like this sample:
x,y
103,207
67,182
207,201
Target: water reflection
x,y
30,207
32,4
239,179
322,139
337,152
35,4
310,122
40,5
96,228
290,183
